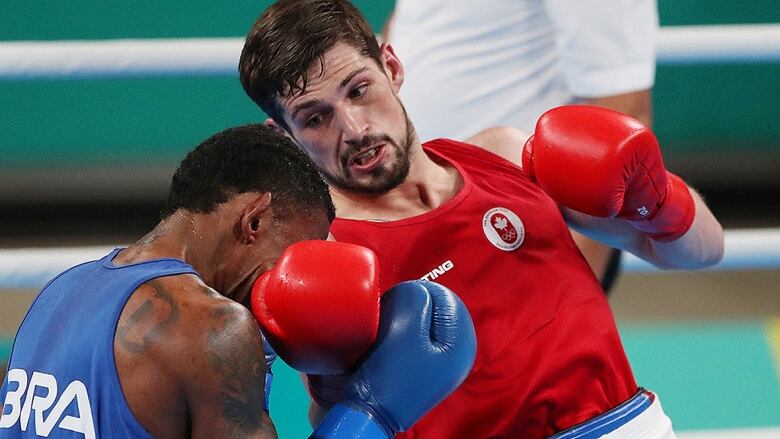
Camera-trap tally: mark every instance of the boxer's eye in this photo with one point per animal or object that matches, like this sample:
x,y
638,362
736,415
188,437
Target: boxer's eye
x,y
315,120
358,92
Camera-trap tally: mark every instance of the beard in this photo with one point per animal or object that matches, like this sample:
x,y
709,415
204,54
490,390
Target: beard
x,y
383,178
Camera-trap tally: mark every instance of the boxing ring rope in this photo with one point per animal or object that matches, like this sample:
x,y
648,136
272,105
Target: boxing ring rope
x,y
748,249
21,60
31,268
219,56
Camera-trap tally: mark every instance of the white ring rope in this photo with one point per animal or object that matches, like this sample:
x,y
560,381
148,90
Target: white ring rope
x,y
749,249
746,249
219,56
120,58
716,44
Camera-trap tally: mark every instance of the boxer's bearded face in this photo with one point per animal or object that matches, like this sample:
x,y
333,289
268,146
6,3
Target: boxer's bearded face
x,y
351,122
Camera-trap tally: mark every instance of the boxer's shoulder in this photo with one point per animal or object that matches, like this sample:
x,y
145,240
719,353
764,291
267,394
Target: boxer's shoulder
x,y
202,351
505,142
212,323
223,368
180,315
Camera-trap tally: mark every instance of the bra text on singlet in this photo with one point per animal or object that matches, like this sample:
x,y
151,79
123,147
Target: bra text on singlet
x,y
41,390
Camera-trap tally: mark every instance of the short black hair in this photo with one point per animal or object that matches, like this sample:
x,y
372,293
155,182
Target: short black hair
x,y
249,158
289,37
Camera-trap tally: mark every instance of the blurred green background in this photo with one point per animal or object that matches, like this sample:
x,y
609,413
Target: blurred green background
x,y
701,108
719,126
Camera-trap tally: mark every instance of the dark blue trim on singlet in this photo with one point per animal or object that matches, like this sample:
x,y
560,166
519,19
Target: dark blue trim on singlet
x,y
611,420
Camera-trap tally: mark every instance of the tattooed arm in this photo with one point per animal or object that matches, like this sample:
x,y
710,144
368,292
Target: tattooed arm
x,y
190,362
227,386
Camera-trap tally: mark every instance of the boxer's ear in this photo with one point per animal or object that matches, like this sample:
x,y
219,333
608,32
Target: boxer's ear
x,y
254,216
392,67
270,123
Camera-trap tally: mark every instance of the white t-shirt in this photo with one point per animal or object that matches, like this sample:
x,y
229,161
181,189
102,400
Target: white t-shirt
x,y
475,64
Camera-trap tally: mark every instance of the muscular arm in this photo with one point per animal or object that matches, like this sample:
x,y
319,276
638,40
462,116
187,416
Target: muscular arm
x,y
615,170
637,104
225,381
190,362
700,247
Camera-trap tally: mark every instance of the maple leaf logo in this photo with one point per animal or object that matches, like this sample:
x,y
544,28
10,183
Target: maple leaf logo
x,y
503,228
500,223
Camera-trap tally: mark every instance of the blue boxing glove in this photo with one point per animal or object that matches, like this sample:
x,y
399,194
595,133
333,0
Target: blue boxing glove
x,y
270,357
424,350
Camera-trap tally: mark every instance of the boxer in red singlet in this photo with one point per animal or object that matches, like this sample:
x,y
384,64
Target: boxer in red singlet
x,y
487,218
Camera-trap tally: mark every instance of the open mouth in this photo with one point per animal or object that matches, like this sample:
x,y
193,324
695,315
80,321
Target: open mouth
x,y
367,158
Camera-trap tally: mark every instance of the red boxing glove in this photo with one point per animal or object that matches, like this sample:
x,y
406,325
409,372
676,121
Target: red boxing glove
x,y
604,163
319,306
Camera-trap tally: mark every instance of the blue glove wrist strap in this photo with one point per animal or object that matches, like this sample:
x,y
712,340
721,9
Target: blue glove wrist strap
x,y
346,422
270,357
269,379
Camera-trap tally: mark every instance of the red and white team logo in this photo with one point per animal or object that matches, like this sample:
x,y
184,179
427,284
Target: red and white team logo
x,y
503,228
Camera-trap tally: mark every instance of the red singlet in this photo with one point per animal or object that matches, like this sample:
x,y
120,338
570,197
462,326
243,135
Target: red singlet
x,y
548,354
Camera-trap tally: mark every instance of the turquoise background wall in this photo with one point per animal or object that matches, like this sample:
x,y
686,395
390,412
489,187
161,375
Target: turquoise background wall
x,y
54,123
57,124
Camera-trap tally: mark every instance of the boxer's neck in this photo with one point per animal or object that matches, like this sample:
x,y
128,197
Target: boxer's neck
x,y
431,182
190,237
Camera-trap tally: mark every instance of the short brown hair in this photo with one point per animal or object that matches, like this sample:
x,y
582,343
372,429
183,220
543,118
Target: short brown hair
x,y
291,35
